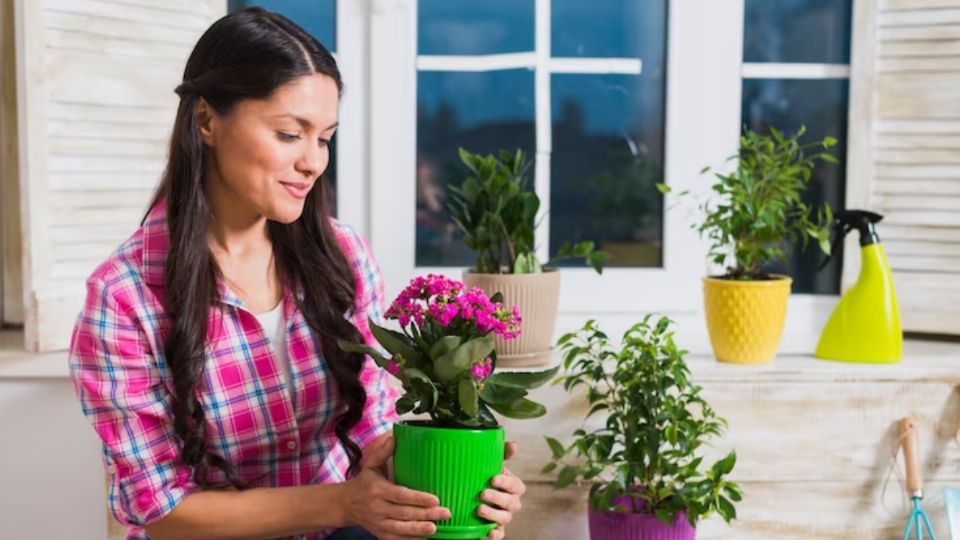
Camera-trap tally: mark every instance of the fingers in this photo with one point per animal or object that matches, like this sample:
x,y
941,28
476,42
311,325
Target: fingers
x,y
509,482
408,497
497,534
509,450
406,530
376,454
496,515
503,501
401,512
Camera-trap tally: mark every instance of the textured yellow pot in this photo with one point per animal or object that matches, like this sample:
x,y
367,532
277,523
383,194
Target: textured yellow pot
x,y
537,296
745,318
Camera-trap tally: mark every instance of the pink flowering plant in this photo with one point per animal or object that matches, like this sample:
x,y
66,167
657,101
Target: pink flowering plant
x,y
444,355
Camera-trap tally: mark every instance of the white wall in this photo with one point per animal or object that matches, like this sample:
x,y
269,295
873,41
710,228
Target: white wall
x,y
51,477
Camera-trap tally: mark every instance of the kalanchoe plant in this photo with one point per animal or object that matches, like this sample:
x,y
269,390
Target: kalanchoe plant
x,y
646,451
444,355
496,212
759,206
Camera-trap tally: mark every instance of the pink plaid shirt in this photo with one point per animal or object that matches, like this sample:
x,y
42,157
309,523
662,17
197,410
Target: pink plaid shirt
x,y
125,386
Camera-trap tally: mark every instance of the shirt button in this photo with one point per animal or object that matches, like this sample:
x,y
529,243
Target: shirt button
x,y
291,445
112,469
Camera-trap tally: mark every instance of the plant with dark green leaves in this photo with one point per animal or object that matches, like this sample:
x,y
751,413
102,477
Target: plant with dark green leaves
x,y
647,450
759,206
444,355
496,212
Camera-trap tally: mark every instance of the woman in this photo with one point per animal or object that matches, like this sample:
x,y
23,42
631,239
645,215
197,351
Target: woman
x,y
206,354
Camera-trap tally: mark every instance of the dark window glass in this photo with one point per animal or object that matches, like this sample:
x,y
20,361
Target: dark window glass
x,y
482,112
815,31
610,28
466,27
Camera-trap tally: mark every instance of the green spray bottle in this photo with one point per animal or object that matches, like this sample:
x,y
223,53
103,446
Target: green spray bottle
x,y
865,325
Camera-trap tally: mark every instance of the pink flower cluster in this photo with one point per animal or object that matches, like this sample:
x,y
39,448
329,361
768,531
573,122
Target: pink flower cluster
x,y
482,369
446,301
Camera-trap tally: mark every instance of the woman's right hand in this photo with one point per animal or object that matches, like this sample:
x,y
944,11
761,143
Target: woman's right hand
x,y
386,510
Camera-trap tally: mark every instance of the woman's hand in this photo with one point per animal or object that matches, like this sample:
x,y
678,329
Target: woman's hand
x,y
386,510
504,500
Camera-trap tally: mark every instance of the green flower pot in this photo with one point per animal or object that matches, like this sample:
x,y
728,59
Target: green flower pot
x,y
454,464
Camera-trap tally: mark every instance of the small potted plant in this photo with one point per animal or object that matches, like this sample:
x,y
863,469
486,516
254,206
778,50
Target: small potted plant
x,y
444,356
496,212
756,210
643,464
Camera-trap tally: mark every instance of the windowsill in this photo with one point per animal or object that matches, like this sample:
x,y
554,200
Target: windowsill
x,y
923,360
17,363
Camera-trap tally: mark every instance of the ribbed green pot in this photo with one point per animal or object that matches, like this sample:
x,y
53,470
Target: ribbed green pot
x,y
454,464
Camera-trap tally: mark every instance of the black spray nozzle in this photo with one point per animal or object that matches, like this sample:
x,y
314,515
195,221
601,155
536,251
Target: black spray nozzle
x,y
846,221
861,220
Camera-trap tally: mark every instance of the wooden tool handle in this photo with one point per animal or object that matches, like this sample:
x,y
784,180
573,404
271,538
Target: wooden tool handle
x,y
908,437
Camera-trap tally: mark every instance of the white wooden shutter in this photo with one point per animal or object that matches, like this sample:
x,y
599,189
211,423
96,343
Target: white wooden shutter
x,y
96,105
904,157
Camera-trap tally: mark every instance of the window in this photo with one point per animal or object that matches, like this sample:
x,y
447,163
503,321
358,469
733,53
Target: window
x,y
791,80
598,73
607,100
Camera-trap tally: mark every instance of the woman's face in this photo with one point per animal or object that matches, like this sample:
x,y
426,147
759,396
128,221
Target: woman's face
x,y
269,153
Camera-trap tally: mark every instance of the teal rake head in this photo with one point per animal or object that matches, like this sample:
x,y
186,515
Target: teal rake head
x,y
918,520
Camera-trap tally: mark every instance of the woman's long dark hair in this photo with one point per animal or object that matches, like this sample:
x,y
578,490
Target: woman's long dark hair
x,y
248,55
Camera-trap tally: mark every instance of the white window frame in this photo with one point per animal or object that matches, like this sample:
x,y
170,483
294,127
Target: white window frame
x,y
703,81
377,50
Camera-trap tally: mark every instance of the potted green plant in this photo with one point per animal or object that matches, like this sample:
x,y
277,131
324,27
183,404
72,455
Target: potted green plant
x,y
496,213
643,464
754,212
444,357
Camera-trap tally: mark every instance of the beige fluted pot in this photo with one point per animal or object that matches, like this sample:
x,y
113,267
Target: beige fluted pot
x,y
537,296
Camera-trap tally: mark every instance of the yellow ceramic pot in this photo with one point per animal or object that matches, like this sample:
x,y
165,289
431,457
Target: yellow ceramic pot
x,y
745,318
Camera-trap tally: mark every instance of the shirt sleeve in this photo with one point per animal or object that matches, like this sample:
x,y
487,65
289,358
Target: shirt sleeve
x,y
380,411
122,394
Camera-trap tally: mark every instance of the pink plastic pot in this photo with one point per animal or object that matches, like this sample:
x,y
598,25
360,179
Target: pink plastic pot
x,y
632,526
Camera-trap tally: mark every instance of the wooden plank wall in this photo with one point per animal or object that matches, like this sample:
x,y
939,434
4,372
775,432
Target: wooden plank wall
x,y
815,444
905,150
100,133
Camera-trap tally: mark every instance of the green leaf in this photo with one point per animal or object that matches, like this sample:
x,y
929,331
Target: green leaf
x,y
394,342
520,409
725,465
567,476
467,396
364,349
424,389
405,404
444,345
555,447
548,468
663,188
523,379
493,392
449,366
726,509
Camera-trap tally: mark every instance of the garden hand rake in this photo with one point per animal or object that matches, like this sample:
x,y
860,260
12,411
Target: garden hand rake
x,y
918,518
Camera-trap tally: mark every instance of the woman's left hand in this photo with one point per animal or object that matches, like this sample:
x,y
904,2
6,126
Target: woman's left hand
x,y
504,500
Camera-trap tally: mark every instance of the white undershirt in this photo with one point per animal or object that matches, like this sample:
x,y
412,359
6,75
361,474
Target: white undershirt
x,y
276,331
